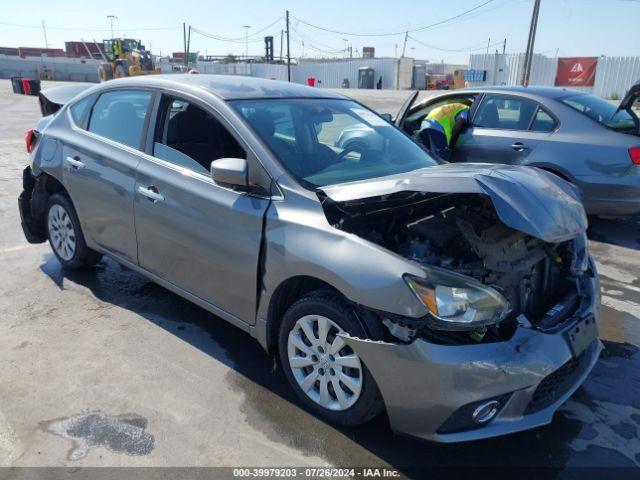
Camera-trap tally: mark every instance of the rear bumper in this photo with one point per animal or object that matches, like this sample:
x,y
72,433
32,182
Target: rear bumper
x,y
532,374
611,195
32,227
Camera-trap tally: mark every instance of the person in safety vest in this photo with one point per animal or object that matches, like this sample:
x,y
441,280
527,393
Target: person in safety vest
x,y
440,129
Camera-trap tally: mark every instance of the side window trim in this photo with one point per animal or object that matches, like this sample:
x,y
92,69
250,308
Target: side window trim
x,y
143,133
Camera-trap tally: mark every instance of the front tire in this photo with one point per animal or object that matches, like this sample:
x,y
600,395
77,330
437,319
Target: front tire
x,y
105,72
325,373
121,71
65,235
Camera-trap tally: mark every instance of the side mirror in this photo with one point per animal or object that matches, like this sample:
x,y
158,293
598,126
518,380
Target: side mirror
x,y
387,116
230,172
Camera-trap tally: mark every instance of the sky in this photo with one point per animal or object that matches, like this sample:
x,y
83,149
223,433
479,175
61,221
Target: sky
x,y
565,27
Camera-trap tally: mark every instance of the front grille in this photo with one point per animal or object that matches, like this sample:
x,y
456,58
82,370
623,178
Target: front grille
x,y
556,384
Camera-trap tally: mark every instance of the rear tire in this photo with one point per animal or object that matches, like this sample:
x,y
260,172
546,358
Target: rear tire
x,y
328,377
65,235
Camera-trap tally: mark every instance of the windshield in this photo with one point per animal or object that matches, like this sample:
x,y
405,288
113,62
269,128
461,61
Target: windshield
x,y
601,111
129,44
325,142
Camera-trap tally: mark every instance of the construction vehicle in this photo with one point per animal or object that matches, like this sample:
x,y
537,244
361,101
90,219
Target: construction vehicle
x,y
124,57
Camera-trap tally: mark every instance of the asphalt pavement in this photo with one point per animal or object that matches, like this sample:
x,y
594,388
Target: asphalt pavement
x,y
104,368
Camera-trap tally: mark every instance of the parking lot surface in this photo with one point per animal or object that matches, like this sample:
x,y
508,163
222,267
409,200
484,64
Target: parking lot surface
x,y
104,368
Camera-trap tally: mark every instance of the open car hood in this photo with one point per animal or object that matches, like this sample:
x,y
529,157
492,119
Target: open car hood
x,y
527,199
630,97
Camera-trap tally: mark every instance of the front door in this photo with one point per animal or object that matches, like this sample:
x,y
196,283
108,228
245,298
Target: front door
x,y
99,168
199,236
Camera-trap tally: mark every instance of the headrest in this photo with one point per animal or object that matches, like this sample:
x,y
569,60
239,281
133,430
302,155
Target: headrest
x,y
190,125
263,121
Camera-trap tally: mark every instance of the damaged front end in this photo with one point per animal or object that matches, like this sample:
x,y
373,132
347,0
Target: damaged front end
x,y
507,275
492,256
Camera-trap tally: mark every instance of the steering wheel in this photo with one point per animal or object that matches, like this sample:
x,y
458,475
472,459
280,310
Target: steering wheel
x,y
355,147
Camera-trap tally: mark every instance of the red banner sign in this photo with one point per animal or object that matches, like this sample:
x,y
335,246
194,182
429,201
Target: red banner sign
x,y
576,71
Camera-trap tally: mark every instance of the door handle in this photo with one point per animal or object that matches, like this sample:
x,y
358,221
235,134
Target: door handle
x,y
75,162
151,193
519,146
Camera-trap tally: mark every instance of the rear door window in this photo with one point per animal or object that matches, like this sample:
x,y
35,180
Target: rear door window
x,y
505,113
120,115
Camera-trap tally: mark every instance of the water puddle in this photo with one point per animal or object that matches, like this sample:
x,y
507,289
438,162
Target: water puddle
x,y
121,433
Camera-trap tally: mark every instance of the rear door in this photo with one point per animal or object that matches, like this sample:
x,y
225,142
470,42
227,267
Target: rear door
x,y
199,236
100,157
504,129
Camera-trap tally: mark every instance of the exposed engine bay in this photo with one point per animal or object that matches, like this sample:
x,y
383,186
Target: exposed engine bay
x,y
462,233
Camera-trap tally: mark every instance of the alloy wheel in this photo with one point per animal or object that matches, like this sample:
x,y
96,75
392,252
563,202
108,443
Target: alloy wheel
x,y
327,370
61,232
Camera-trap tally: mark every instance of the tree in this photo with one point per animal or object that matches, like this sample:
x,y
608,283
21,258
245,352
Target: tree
x,y
230,58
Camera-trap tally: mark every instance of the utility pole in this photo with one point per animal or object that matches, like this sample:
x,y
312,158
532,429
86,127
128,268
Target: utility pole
x,y
346,48
281,42
111,19
188,44
184,39
246,40
404,47
44,30
288,51
488,43
528,58
504,46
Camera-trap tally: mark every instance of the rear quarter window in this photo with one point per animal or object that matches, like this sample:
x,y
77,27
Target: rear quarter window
x,y
79,109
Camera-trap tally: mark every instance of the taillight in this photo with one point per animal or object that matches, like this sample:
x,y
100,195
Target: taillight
x,y
634,153
31,139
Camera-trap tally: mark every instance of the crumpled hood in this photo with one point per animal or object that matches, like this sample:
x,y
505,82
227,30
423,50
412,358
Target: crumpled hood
x,y
527,199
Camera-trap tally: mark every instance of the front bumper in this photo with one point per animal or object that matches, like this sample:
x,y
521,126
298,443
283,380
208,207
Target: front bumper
x,y
423,384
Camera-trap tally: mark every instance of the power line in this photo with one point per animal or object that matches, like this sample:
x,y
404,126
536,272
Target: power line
x,y
400,32
81,29
248,38
227,39
471,48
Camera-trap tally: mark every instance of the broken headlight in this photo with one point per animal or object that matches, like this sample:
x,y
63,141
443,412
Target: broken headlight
x,y
457,302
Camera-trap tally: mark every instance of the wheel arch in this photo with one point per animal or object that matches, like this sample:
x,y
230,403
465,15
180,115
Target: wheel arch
x,y
34,199
560,172
285,295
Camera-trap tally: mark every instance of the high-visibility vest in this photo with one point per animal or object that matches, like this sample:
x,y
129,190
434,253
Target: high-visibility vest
x,y
446,116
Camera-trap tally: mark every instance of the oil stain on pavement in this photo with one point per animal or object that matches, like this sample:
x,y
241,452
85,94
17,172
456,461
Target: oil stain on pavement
x,y
119,433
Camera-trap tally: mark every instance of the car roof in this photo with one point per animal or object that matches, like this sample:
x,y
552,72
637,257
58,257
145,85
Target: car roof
x,y
548,92
231,87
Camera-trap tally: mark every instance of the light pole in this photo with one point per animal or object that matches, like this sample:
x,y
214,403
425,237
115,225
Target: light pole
x,y
111,19
246,40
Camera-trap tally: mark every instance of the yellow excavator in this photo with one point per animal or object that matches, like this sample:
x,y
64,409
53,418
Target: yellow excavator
x,y
125,57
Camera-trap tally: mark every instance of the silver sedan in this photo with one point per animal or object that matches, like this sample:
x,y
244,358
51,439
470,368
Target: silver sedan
x,y
462,299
